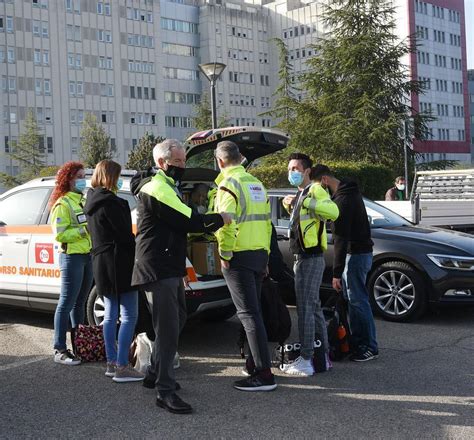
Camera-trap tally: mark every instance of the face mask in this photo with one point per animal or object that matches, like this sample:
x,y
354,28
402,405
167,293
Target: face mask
x,y
400,186
119,184
80,185
295,178
176,173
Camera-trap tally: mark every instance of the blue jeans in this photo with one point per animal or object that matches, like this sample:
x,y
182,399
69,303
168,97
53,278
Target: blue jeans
x,y
128,304
76,283
360,314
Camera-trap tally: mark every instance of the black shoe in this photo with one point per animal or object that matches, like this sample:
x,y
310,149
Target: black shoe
x,y
151,383
364,356
173,403
256,383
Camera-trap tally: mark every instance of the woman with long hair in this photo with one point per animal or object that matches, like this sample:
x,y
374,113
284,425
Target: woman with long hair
x,y
70,229
113,256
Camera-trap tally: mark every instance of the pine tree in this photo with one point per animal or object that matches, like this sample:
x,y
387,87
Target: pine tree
x,y
355,88
141,157
95,142
27,152
202,120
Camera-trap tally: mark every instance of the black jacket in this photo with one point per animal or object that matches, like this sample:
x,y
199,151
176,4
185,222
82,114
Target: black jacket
x,y
351,230
162,235
113,243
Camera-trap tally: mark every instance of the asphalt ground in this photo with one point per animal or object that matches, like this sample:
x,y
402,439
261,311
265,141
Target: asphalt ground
x,y
421,387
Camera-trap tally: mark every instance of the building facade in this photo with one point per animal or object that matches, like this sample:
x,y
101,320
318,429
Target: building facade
x,y
470,80
440,63
134,64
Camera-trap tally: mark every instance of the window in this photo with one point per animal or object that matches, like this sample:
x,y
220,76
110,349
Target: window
x,y
69,5
48,115
36,27
107,8
47,87
145,93
103,117
100,8
2,26
132,92
44,29
23,207
78,60
79,88
153,96
11,55
72,88
11,84
38,86
9,24
46,57
70,59
49,143
139,93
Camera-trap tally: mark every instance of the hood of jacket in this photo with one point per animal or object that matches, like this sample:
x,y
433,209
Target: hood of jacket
x,y
347,187
96,198
140,179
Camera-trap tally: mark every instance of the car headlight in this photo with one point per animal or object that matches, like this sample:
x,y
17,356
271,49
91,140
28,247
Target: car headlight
x,y
452,261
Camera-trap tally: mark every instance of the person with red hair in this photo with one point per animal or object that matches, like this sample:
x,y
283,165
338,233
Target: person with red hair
x,y
70,230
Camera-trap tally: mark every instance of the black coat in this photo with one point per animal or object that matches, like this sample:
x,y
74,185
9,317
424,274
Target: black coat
x,y
162,235
113,243
351,230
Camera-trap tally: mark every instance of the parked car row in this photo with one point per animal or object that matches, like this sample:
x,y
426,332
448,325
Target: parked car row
x,y
413,266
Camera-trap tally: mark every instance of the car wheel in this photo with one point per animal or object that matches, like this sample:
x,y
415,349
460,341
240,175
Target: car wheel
x,y
220,314
95,308
397,291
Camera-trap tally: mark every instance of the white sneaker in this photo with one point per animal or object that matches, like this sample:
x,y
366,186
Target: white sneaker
x,y
176,362
66,357
300,367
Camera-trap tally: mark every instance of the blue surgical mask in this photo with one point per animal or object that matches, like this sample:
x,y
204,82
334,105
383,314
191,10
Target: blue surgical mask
x,y
295,178
80,185
119,184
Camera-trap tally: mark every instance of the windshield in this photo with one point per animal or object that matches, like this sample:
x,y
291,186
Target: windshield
x,y
380,217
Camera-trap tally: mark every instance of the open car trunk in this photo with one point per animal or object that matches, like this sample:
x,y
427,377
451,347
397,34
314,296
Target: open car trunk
x,y
253,142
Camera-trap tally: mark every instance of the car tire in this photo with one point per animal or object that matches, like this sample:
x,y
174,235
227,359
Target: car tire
x,y
397,292
95,308
220,314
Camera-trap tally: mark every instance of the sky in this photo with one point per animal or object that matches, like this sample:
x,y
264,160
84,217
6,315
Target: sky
x,y
469,10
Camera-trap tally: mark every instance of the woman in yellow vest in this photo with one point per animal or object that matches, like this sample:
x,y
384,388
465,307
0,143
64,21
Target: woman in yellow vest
x,y
70,230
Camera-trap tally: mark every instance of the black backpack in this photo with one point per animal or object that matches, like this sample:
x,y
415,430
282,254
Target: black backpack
x,y
335,313
276,316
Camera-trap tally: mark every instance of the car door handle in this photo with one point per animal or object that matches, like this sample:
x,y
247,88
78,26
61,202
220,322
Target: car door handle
x,y
21,240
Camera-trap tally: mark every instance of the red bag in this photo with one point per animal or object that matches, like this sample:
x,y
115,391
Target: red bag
x,y
88,343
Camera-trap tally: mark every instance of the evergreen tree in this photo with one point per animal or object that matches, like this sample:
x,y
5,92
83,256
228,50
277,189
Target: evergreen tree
x,y
141,157
355,89
95,142
202,120
27,152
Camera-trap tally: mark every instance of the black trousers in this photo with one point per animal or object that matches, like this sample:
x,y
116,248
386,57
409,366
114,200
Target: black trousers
x,y
169,317
244,279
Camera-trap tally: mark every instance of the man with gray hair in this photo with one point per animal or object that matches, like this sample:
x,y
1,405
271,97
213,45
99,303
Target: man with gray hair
x,y
160,262
244,245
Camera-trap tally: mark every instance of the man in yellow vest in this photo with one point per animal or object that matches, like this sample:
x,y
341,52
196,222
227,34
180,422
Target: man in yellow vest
x,y
309,210
244,245
160,263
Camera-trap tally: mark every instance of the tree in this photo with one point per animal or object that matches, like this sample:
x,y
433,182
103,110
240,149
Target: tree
x,y
28,152
141,157
356,89
202,120
95,142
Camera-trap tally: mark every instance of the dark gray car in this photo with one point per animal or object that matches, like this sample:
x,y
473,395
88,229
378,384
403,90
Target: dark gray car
x,y
413,266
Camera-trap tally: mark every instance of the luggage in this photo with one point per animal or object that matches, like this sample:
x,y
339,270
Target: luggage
x,y
276,316
88,343
335,312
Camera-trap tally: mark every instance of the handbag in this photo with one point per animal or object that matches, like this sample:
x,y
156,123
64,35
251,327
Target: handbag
x,y
88,343
141,358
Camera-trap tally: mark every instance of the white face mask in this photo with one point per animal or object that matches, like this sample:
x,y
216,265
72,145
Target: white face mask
x,y
400,186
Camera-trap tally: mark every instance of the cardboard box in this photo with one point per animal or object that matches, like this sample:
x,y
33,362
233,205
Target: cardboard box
x,y
205,258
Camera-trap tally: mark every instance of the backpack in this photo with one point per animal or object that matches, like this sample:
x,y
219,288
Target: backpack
x,y
335,312
276,317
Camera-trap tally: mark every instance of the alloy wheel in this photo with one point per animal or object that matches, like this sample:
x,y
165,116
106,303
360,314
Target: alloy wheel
x,y
394,292
99,310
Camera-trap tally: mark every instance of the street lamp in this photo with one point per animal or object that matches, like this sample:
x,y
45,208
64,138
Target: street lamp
x,y
212,71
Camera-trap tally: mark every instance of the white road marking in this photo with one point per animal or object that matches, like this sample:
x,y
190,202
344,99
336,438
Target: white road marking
x,y
23,362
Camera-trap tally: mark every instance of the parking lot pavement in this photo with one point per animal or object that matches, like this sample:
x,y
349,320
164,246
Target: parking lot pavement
x,y
422,386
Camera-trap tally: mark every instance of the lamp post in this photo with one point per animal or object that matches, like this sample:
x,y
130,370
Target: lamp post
x,y
212,71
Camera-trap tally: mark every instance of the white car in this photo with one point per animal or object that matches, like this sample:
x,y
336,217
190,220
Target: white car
x,y
29,263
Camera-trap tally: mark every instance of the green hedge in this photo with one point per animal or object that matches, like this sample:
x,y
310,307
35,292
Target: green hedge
x,y
373,179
